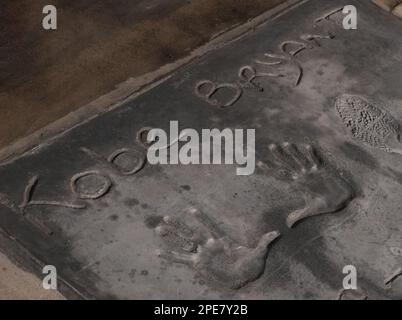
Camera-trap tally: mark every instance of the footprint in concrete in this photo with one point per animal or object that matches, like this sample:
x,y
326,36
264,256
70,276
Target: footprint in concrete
x,y
324,189
369,124
219,258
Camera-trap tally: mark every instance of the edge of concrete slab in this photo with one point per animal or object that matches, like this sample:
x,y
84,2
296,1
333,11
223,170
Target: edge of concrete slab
x,y
18,284
26,263
134,87
391,6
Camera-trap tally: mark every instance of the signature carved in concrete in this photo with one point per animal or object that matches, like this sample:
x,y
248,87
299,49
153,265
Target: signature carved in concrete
x,y
289,49
350,294
207,89
280,60
327,16
393,277
96,187
28,201
248,75
218,258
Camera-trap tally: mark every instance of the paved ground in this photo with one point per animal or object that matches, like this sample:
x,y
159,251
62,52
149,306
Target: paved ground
x,y
98,44
45,76
112,234
17,284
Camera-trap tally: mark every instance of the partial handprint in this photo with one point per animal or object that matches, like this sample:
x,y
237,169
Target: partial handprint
x,y
324,189
218,258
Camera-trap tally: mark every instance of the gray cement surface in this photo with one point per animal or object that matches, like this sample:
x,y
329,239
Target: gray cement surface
x,y
65,205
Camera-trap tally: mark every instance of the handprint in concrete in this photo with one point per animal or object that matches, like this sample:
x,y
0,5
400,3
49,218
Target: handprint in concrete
x,y
324,189
217,258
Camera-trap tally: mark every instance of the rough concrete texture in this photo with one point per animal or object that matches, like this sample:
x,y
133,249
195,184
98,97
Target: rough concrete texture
x,y
332,194
45,75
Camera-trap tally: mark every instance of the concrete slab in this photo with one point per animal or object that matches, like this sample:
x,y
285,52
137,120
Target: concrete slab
x,y
112,235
